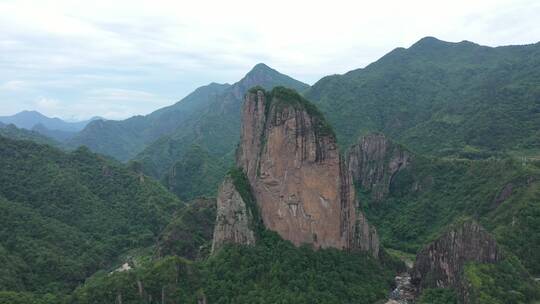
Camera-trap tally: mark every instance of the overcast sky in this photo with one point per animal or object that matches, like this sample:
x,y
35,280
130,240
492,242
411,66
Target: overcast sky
x,y
76,59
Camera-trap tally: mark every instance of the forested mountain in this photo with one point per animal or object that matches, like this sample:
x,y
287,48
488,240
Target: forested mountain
x,y
441,98
11,131
66,215
59,135
124,139
55,128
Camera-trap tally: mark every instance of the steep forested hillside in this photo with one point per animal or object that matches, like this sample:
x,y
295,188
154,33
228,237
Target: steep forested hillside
x,y
65,215
196,173
441,98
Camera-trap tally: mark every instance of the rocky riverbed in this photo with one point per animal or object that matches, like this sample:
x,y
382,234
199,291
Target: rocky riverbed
x,y
404,291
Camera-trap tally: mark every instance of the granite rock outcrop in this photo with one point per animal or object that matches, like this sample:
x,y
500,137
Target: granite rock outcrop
x,y
374,161
300,181
441,263
234,219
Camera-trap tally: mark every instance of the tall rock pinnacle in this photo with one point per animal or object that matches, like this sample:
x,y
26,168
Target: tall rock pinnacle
x,y
300,182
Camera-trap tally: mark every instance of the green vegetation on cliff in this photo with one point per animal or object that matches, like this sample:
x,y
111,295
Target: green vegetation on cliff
x,y
280,98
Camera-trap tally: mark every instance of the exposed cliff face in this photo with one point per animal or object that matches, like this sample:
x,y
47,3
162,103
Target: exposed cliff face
x,y
234,220
441,263
366,238
374,161
299,180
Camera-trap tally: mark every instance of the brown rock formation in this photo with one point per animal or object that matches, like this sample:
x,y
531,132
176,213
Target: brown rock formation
x,y
374,161
234,220
299,180
441,263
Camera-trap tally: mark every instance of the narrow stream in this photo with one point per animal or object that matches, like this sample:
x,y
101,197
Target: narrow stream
x,y
404,291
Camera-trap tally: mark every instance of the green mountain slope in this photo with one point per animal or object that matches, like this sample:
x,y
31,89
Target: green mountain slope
x,y
66,215
11,131
195,174
124,139
440,98
190,233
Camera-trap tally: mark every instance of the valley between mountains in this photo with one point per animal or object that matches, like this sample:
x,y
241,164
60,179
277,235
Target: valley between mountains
x,y
413,180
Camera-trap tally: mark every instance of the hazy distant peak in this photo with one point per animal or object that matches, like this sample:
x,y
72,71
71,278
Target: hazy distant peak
x,y
429,42
267,77
262,68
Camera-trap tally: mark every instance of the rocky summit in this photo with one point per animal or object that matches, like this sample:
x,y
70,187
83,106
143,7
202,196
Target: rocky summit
x,y
300,182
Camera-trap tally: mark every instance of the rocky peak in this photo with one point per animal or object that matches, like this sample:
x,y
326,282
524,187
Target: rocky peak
x,y
374,161
234,219
442,262
300,182
265,77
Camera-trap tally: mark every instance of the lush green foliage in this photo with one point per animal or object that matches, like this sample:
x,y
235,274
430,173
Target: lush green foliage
x,y
11,297
11,131
438,296
506,282
440,98
273,271
66,215
189,234
195,174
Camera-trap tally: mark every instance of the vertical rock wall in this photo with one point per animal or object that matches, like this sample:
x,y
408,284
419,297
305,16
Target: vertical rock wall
x,y
234,221
301,183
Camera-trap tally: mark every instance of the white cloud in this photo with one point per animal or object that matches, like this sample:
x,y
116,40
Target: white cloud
x,y
13,85
74,51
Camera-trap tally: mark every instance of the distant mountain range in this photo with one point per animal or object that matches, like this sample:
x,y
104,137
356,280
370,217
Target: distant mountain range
x,y
52,127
